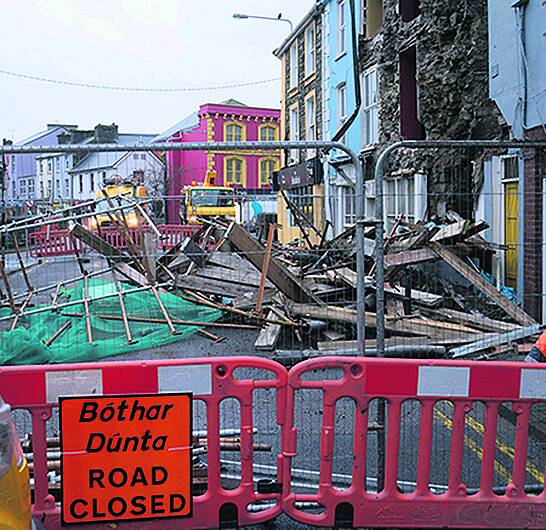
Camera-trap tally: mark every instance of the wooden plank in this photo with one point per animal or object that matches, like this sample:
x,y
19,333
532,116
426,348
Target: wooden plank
x,y
213,286
286,282
410,256
352,345
268,336
229,275
421,297
484,286
478,321
98,243
346,275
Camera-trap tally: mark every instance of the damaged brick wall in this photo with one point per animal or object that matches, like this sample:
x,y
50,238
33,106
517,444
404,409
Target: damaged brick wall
x,y
451,55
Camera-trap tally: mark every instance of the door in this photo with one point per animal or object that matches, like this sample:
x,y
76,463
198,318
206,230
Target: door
x,y
511,212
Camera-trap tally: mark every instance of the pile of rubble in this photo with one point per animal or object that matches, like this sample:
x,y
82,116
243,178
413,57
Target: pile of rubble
x,y
301,298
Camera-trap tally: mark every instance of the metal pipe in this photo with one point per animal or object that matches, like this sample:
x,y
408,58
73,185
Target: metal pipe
x,y
77,302
57,286
86,309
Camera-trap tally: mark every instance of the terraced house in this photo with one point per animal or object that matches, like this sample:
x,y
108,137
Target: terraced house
x,y
250,172
300,183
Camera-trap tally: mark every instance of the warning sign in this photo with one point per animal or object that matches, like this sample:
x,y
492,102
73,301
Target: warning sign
x,y
126,457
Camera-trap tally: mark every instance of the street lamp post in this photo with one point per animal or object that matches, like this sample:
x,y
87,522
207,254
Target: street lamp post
x,y
279,18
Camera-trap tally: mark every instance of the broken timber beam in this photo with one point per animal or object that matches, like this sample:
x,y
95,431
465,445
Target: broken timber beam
x,y
279,276
483,285
409,257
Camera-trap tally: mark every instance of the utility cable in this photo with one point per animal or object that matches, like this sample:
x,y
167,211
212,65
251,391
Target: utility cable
x,y
134,88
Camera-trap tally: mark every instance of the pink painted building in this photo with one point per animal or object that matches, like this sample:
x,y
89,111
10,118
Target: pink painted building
x,y
249,171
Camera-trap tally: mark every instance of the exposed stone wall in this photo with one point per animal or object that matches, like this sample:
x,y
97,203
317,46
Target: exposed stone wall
x,y
452,77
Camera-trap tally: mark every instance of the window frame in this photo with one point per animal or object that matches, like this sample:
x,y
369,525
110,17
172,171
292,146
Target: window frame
x,y
230,158
310,69
238,124
276,165
341,30
265,126
341,97
370,109
294,109
396,202
293,52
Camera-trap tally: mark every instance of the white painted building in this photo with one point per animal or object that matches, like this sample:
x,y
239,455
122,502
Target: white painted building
x,y
87,177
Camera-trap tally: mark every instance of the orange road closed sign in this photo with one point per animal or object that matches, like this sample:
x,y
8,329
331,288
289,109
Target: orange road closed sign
x,y
126,457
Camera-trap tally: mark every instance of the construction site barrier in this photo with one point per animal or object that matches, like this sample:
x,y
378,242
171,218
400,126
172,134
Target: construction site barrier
x,y
55,243
175,234
428,382
361,380
37,389
59,243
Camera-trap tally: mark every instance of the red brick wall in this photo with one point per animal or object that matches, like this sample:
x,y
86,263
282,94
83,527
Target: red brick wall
x,y
533,240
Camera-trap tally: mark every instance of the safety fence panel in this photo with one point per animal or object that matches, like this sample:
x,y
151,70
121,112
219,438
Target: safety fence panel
x,y
55,243
175,234
36,389
458,406
59,243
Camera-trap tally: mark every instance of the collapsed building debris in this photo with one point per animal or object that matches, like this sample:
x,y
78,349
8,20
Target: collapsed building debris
x,y
296,296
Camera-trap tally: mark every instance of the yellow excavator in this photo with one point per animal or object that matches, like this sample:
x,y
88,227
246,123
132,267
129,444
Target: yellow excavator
x,y
123,193
207,201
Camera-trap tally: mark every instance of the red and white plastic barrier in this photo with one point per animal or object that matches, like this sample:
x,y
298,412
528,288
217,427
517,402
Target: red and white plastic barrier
x,y
427,382
211,380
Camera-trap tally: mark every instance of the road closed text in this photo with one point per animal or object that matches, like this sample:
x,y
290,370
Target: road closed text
x,y
126,457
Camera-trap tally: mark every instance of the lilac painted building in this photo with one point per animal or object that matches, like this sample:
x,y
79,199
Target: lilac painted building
x,y
248,171
22,180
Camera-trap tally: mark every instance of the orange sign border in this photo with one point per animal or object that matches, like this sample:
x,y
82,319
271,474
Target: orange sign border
x,y
109,396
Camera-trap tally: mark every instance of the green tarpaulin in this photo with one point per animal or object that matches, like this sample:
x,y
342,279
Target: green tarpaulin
x,y
26,344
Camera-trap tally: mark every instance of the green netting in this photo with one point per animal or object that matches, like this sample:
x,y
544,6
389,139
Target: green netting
x,y
26,344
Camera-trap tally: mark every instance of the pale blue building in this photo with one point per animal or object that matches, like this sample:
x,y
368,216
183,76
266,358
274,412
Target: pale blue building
x,y
339,104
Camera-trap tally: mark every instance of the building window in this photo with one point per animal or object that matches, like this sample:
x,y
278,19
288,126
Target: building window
x,y
23,187
410,126
268,133
265,170
294,132
57,164
342,103
92,181
49,165
294,65
370,117
349,206
135,156
142,156
67,188
510,168
310,50
373,17
234,170
49,188
31,186
310,119
341,27
302,199
81,182
103,177
405,196
67,162
409,9
234,132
